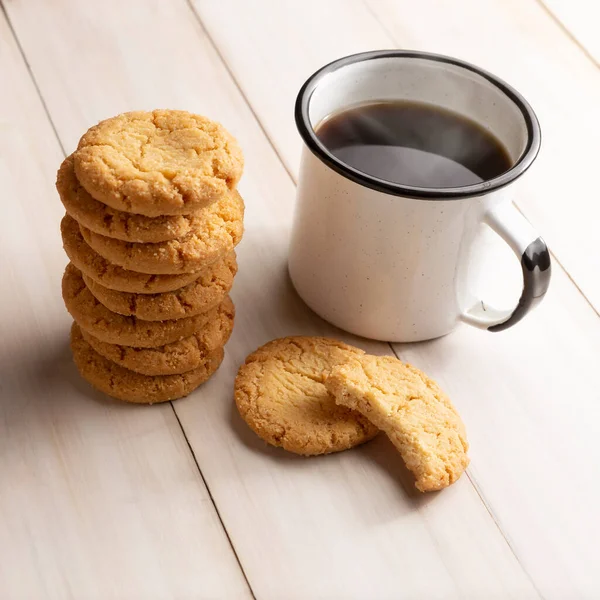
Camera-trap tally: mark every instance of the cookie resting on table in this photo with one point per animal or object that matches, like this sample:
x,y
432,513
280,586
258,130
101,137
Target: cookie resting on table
x,y
280,393
123,384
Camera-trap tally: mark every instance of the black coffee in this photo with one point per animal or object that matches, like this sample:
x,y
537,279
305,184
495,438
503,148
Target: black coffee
x,y
414,144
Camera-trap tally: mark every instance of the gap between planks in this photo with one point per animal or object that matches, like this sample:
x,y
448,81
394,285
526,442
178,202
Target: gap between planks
x,y
568,32
31,75
235,81
235,553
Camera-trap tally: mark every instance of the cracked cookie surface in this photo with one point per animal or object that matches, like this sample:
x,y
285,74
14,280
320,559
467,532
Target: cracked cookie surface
x,y
111,327
412,410
164,162
280,393
177,357
219,229
123,384
96,267
208,290
108,221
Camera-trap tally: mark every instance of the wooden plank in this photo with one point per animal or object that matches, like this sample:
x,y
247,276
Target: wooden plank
x,y
345,526
532,409
516,39
99,500
527,395
580,18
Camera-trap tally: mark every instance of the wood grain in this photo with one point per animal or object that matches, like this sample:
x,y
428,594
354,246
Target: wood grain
x,y
527,395
518,40
343,526
99,500
580,19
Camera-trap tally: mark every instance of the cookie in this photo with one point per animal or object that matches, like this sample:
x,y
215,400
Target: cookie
x,y
412,410
211,287
219,230
111,327
111,276
123,384
177,357
110,222
164,162
280,393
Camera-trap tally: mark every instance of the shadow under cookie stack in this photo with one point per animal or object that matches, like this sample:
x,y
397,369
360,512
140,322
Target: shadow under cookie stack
x,y
153,217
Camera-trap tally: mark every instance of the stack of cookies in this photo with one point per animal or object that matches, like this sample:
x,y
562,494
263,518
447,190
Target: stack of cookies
x,y
153,217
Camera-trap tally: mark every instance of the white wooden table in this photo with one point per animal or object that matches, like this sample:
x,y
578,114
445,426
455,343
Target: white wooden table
x,y
103,500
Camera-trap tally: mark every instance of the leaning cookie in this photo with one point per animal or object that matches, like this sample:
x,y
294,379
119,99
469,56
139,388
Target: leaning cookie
x,y
180,356
129,386
164,162
279,392
411,409
218,231
203,294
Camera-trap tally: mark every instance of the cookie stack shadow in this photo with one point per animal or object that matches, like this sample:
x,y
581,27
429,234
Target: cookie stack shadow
x,y
152,220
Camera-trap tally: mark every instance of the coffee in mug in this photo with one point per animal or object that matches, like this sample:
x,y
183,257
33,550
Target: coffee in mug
x,y
414,144
406,155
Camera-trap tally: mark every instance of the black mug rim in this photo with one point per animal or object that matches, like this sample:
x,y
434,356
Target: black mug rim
x,y
422,193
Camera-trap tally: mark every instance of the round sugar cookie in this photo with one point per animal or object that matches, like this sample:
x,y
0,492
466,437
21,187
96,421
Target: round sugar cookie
x,y
164,162
211,287
219,229
99,269
123,384
108,221
181,356
111,327
279,392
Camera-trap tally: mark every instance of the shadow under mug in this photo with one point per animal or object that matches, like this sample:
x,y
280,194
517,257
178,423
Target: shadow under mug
x,y
389,261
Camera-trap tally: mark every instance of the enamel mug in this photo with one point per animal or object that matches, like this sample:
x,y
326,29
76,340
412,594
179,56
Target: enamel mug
x,y
393,262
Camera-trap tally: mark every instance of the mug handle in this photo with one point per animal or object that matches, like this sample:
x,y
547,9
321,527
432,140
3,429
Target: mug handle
x,y
533,253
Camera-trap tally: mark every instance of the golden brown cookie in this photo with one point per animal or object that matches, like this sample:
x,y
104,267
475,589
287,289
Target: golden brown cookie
x,y
111,276
164,162
177,357
219,230
280,393
413,411
110,222
123,384
110,327
211,287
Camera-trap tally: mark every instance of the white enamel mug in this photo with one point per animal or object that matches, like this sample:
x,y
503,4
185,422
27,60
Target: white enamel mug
x,y
393,262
